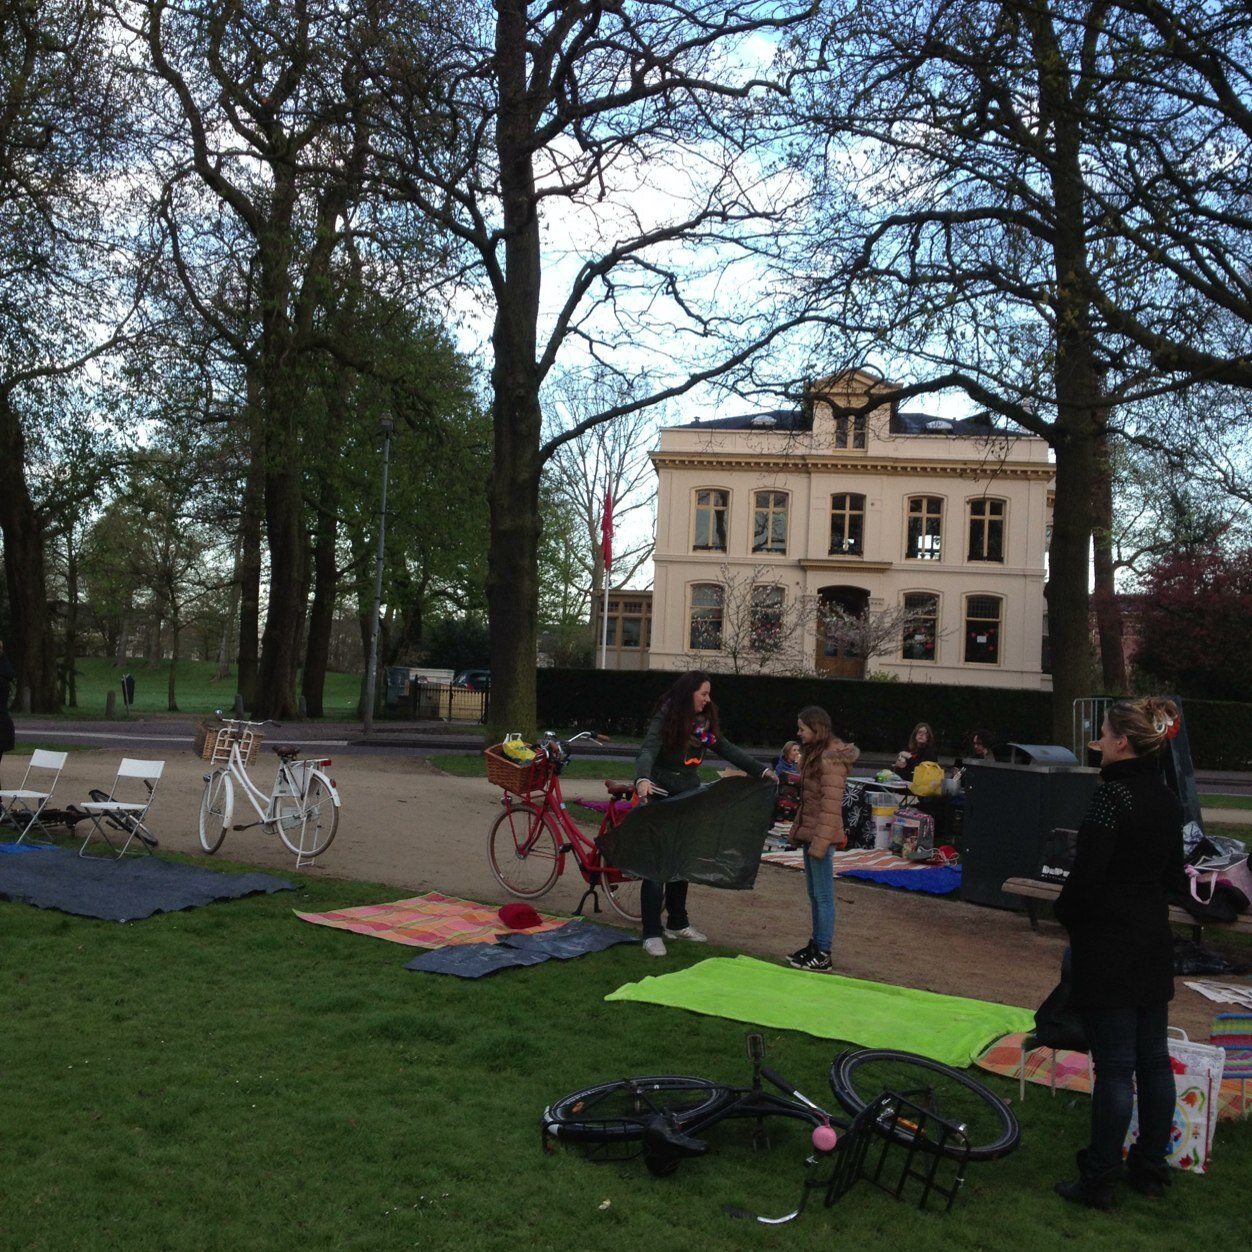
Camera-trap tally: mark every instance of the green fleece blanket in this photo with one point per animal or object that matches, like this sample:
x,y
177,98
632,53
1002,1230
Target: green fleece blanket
x,y
948,1028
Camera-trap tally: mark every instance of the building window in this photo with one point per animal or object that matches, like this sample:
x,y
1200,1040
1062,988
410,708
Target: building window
x,y
626,624
769,522
847,525
925,528
982,630
711,510
921,629
986,530
706,617
850,424
767,618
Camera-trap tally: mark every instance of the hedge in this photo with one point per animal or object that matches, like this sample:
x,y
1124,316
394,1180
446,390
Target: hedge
x,y
760,711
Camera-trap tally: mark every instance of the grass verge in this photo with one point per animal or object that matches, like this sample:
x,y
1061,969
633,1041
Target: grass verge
x,y
234,1078
195,689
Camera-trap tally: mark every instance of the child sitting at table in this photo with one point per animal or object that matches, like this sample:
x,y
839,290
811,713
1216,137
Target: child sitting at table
x,y
787,766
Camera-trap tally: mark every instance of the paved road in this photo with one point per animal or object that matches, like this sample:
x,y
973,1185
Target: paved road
x,y
387,739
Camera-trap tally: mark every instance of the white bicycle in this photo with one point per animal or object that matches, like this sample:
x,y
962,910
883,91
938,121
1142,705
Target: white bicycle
x,y
302,808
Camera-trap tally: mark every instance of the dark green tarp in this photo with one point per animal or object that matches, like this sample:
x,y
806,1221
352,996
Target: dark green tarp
x,y
713,835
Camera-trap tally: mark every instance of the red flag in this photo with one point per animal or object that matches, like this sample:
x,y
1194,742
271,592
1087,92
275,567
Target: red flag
x,y
606,529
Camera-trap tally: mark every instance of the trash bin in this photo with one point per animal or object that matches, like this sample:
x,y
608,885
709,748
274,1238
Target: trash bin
x,y
1011,809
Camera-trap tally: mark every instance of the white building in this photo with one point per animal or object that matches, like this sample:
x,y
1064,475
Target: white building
x,y
766,520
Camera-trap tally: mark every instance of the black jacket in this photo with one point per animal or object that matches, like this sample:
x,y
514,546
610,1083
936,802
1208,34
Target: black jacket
x,y
1115,902
680,772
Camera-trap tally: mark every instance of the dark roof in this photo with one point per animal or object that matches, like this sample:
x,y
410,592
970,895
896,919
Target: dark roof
x,y
927,424
789,421
786,420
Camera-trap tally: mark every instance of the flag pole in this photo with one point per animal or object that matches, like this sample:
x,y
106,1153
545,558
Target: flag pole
x,y
604,627
606,553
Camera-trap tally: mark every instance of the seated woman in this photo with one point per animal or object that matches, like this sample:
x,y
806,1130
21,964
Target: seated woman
x,y
921,748
981,749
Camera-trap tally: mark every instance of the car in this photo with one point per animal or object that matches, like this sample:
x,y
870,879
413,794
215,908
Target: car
x,y
475,679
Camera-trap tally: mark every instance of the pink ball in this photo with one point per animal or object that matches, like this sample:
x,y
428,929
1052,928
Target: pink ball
x,y
824,1138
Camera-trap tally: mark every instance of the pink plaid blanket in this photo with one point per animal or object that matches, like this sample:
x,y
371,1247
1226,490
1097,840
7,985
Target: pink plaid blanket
x,y
1072,1072
429,921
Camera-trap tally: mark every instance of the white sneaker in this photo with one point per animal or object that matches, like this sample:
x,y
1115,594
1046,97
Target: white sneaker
x,y
654,947
687,932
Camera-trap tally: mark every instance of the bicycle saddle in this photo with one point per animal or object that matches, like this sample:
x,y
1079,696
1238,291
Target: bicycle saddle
x,y
619,791
662,1138
285,751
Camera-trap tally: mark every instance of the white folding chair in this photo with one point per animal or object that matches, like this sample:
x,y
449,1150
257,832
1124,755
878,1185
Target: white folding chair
x,y
21,806
119,812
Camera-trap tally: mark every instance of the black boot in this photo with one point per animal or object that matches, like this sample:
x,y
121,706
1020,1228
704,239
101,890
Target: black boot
x,y
1093,1190
1148,1177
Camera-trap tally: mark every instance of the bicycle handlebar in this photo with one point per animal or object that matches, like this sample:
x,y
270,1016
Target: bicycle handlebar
x,y
239,721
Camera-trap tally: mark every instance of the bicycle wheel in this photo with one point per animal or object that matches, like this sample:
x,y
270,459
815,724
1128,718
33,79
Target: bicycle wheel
x,y
216,807
523,851
307,824
620,1111
623,895
989,1127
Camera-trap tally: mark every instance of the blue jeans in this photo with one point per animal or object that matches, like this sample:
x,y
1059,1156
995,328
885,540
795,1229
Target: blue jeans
x,y
652,895
1129,1050
819,877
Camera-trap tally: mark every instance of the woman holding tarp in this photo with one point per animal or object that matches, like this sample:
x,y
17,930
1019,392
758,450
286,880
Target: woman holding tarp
x,y
1115,906
684,726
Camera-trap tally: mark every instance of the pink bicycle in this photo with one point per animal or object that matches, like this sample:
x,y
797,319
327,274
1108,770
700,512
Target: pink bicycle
x,y
530,840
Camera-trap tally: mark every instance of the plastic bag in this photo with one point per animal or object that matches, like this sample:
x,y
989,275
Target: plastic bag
x,y
1197,1078
927,779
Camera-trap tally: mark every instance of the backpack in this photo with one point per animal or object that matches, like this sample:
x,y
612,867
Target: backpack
x,y
927,779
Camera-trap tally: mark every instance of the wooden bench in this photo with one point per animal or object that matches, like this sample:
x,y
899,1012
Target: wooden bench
x,y
1032,890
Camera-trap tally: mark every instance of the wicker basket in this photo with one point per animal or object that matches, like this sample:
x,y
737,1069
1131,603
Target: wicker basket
x,y
213,743
521,780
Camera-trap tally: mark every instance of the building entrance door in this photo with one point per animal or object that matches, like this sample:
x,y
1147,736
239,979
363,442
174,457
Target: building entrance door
x,y
838,655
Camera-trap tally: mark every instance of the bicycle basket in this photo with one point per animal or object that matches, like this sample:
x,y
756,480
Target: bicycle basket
x,y
214,743
521,780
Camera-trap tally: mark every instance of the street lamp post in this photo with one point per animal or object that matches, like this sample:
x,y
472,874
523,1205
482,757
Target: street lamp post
x,y
386,426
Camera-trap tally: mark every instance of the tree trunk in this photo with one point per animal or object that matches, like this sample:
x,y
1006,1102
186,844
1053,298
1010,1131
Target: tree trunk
x,y
71,618
1108,612
123,640
30,644
512,558
322,611
171,690
250,566
1076,380
284,619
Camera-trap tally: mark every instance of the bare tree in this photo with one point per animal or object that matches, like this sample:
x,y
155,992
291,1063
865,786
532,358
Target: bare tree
x,y
876,632
611,457
67,272
987,224
758,629
599,166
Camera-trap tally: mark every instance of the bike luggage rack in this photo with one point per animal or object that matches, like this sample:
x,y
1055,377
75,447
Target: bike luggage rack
x,y
932,1144
214,743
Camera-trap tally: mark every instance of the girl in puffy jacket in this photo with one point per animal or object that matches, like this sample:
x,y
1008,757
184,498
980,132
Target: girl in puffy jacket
x,y
825,763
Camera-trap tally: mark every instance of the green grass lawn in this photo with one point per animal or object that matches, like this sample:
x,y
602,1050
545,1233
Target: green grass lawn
x,y
194,688
233,1078
1226,802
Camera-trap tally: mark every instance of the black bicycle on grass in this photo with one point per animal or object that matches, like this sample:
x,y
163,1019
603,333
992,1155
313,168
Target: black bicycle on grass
x,y
933,1114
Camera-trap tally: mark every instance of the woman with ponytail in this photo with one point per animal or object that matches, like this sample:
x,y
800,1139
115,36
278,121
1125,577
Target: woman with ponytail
x,y
1115,906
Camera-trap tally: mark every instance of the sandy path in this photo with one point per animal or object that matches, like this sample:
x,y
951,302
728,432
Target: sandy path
x,y
407,825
